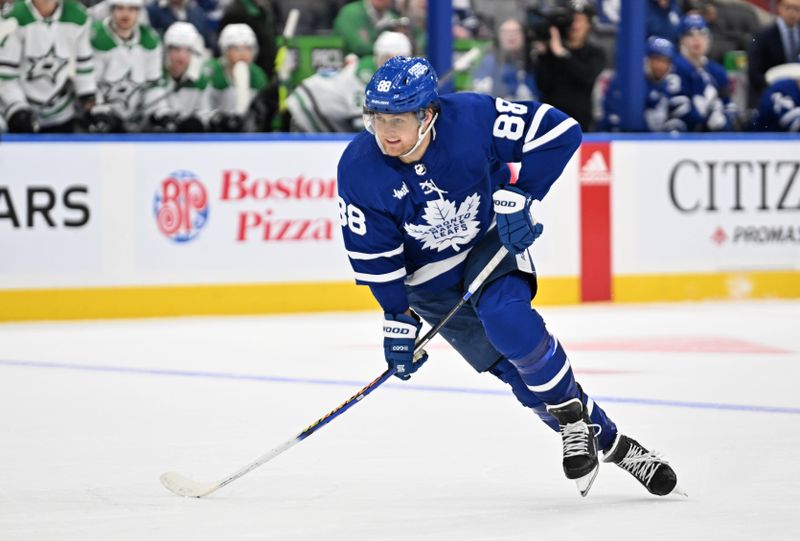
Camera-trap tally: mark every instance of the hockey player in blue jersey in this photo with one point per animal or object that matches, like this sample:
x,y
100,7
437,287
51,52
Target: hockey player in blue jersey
x,y
779,105
665,107
704,81
420,193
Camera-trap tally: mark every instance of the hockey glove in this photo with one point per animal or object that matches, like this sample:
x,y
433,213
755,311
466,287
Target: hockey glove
x,y
190,124
515,225
162,122
226,122
103,120
399,336
22,121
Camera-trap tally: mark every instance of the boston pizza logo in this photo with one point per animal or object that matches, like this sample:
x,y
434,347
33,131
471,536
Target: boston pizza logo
x,y
181,206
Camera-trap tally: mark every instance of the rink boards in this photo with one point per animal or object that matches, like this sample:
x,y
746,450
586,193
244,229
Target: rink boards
x,y
150,226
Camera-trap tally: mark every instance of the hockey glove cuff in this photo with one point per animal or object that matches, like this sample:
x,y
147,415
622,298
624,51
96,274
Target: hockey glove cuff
x,y
400,333
515,225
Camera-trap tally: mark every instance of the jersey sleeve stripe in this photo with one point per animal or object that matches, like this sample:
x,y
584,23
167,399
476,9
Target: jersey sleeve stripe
x,y
549,136
432,270
537,121
365,256
380,278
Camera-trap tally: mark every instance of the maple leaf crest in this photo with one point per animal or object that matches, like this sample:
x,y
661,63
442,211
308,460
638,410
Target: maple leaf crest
x,y
447,227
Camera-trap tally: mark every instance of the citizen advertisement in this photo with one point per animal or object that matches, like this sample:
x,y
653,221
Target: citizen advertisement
x,y
706,206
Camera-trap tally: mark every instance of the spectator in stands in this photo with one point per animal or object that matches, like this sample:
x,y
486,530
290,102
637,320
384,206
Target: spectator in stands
x,y
234,82
732,25
332,102
776,44
665,106
663,19
163,13
467,23
183,80
263,17
779,107
507,71
704,81
129,64
360,22
566,72
46,70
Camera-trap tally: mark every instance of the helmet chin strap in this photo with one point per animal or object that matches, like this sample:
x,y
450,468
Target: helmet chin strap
x,y
421,133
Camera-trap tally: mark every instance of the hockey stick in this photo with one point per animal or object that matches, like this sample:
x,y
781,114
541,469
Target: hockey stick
x,y
461,64
183,486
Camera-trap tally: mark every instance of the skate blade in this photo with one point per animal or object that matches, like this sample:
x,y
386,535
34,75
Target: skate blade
x,y
679,491
585,483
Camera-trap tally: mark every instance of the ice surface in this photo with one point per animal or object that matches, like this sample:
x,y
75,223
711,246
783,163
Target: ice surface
x,y
91,413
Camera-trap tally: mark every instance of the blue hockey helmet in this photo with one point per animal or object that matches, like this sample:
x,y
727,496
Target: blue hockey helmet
x,y
658,46
693,23
403,84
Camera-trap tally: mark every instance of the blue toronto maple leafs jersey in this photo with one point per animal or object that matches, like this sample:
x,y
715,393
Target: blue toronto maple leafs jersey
x,y
665,107
779,107
708,88
414,224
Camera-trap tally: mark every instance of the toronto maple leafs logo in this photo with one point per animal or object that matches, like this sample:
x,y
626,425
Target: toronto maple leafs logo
x,y
46,66
447,226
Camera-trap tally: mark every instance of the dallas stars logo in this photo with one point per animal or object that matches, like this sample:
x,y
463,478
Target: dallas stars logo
x,y
121,91
447,227
46,66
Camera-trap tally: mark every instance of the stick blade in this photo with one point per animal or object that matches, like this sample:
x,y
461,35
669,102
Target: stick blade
x,y
182,486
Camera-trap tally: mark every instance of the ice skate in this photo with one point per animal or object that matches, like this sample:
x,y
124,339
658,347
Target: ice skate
x,y
580,446
648,467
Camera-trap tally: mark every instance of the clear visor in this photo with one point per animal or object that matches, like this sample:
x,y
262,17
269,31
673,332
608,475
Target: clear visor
x,y
390,122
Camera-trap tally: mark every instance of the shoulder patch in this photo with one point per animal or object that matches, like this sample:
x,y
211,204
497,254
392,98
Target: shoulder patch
x,y
100,38
258,78
148,38
215,73
20,11
73,12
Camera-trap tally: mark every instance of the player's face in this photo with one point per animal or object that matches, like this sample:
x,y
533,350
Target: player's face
x,y
124,17
659,66
239,53
696,43
397,133
178,59
789,10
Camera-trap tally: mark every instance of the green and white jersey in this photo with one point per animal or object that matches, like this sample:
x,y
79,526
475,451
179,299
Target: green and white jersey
x,y
331,101
129,72
45,62
220,90
186,96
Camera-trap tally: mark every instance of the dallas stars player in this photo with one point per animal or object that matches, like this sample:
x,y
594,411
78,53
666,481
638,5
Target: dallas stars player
x,y
333,102
46,66
183,80
128,58
234,81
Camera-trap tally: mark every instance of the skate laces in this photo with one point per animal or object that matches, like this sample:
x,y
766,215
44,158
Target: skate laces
x,y
641,463
575,437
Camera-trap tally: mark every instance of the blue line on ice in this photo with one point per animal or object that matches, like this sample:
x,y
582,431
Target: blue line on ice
x,y
401,387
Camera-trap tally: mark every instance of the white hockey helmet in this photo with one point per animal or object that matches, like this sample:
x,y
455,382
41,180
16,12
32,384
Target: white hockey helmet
x,y
238,34
183,34
391,44
130,3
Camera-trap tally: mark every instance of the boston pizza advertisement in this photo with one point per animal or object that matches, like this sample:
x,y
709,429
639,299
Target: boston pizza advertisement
x,y
232,212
